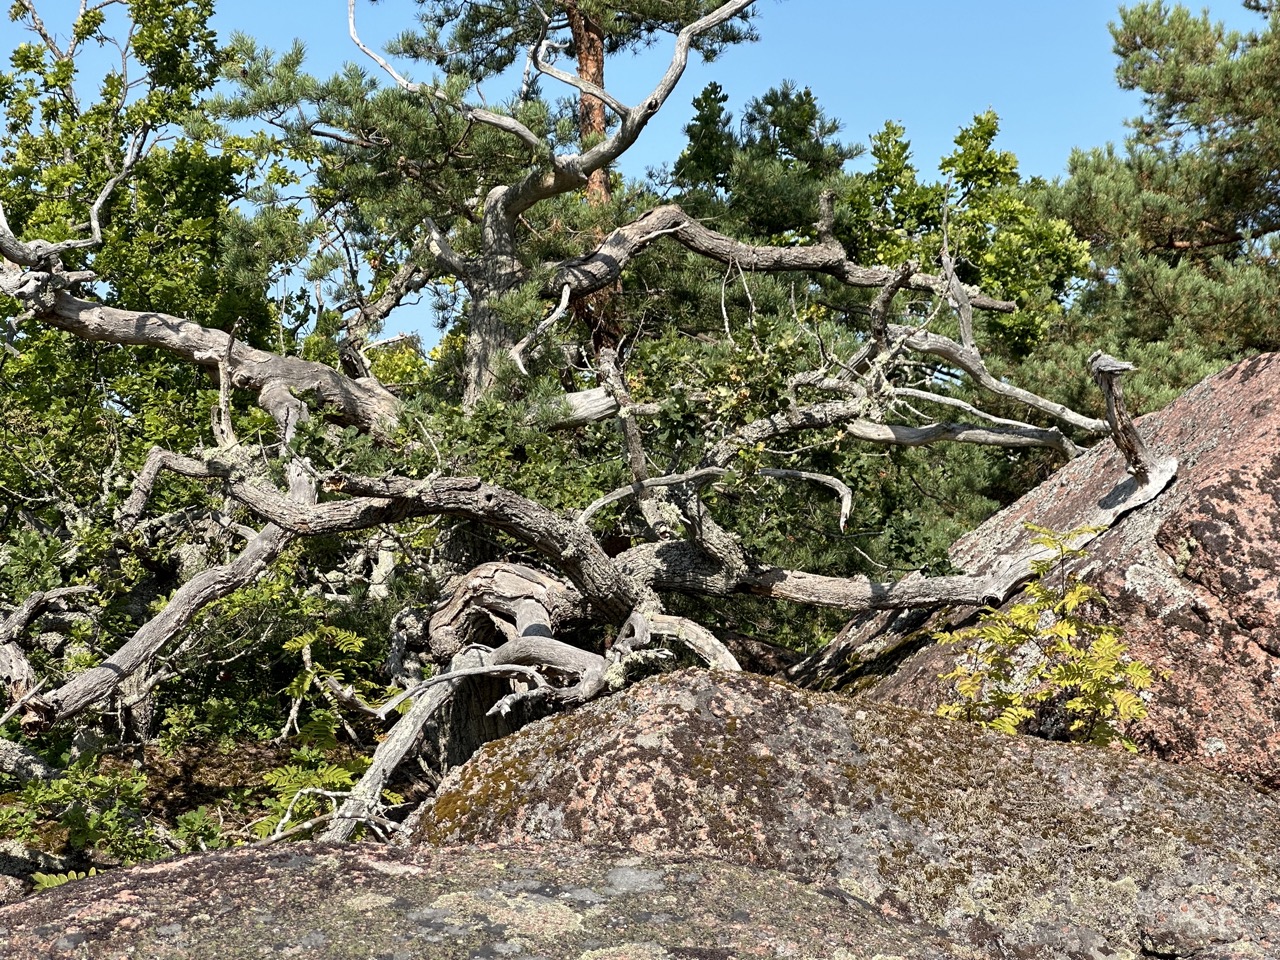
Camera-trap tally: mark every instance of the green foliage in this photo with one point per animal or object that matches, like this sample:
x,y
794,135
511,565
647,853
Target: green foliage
x,y
331,655
93,808
304,789
182,725
29,562
764,181
401,366
77,418
1046,653
255,653
223,721
767,176
480,40
199,830
322,190
1002,243
47,881
1182,220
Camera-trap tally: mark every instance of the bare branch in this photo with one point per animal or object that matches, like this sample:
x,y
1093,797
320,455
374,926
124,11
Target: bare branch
x,y
514,670
603,266
12,626
223,429
22,700
529,650
13,249
583,86
409,279
848,416
96,683
374,55
957,296
884,299
637,118
1069,448
42,254
697,638
508,125
655,509
570,172
41,30
705,474
683,567
840,487
579,409
968,360
489,596
20,763
136,151
376,501
517,352
362,402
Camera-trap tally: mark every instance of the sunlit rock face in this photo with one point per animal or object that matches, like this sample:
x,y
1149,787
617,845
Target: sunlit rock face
x,y
560,902
1193,576
1004,843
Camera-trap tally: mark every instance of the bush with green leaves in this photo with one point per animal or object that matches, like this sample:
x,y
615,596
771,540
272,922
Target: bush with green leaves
x,y
91,809
1048,657
199,830
308,787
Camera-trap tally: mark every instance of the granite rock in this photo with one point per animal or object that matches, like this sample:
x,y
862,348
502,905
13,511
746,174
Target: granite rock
x,y
1193,577
1005,843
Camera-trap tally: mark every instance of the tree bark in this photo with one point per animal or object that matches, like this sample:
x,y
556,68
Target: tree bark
x,y
366,796
364,403
188,601
588,42
604,265
495,590
1106,372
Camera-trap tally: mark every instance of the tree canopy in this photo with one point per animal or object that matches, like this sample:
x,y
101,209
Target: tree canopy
x,y
1181,219
704,417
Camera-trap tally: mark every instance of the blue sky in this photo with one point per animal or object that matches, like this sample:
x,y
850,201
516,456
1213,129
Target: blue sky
x,y
1045,66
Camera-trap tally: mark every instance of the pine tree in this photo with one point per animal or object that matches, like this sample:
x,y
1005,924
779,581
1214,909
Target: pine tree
x,y
1182,220
480,40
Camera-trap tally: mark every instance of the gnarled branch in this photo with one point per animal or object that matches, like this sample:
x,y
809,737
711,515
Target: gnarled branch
x,y
604,265
365,403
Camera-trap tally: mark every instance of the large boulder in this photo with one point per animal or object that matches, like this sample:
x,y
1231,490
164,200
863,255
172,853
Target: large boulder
x,y
1006,843
1193,576
364,901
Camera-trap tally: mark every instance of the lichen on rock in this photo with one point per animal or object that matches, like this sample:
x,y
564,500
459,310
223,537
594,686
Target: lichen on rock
x,y
329,902
997,840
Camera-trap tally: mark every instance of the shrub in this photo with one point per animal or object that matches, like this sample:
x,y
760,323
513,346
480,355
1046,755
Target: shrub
x,y
1049,652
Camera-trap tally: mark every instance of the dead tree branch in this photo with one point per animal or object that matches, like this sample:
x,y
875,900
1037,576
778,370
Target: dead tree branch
x,y
364,403
839,486
848,414
364,798
605,264
970,361
97,683
1107,371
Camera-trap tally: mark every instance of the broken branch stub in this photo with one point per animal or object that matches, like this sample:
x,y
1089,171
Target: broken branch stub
x,y
1106,371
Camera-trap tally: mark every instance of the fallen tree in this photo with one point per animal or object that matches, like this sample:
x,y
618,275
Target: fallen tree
x,y
562,611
